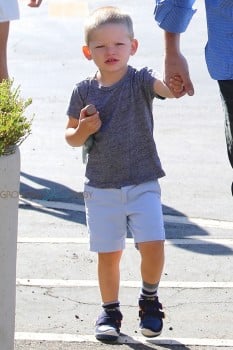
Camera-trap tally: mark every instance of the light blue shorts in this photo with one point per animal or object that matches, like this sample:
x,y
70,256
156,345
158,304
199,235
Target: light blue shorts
x,y
112,213
9,10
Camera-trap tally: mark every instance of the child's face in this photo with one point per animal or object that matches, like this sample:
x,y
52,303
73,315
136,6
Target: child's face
x,y
110,47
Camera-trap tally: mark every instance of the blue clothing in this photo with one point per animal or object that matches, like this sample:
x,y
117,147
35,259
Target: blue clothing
x,y
124,151
175,15
9,10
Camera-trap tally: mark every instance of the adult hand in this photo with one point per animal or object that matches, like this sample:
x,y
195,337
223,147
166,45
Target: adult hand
x,y
34,3
176,67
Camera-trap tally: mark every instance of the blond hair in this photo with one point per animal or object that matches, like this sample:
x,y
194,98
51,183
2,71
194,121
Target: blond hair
x,y
107,15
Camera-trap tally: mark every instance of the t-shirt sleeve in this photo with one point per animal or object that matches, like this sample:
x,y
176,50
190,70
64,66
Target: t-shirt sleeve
x,y
76,102
148,77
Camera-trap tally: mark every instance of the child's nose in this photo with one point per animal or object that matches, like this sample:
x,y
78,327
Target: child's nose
x,y
110,49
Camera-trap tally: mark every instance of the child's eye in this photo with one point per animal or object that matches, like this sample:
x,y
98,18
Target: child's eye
x,y
119,44
99,46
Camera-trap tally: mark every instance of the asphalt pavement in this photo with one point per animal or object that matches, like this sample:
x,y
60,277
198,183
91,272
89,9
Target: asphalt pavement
x,y
57,293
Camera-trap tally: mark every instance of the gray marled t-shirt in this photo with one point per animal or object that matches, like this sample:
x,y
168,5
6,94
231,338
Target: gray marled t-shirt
x,y
124,152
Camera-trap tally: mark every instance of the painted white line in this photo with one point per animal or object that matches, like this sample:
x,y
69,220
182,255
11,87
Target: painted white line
x,y
55,337
228,225
54,240
129,284
36,203
85,240
199,241
185,220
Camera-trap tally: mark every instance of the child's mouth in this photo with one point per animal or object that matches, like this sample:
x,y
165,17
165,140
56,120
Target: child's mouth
x,y
111,60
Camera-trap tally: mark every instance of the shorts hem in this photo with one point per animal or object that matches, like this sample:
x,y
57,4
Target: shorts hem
x,y
102,249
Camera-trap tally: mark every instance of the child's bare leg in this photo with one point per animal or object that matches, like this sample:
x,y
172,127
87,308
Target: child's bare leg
x,y
109,321
4,30
152,261
109,275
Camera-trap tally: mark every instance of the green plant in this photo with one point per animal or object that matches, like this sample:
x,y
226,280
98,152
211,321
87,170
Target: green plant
x,y
14,125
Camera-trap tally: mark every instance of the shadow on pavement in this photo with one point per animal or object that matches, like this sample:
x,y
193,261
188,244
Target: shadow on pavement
x,y
34,187
41,189
151,343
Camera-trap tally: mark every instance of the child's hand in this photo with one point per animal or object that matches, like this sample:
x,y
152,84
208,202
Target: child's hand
x,y
176,84
91,123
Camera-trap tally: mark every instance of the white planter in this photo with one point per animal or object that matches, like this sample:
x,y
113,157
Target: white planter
x,y
9,197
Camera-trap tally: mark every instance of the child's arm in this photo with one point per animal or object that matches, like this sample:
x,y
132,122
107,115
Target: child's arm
x,y
78,130
161,89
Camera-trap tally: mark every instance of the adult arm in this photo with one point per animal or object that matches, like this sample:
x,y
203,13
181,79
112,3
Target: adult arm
x,y
174,16
175,65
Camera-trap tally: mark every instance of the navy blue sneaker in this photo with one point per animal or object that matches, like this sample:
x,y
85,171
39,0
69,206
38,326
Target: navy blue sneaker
x,y
108,324
151,316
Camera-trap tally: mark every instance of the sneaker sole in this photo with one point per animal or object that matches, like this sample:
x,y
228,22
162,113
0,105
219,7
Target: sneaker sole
x,y
106,337
108,334
149,333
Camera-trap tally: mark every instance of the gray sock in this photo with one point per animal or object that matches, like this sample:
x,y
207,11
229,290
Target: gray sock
x,y
114,305
149,290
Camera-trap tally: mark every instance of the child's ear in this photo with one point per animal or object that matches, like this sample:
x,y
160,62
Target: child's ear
x,y
87,52
134,46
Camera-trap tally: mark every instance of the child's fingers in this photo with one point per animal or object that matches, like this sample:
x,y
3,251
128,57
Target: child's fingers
x,y
177,78
176,83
